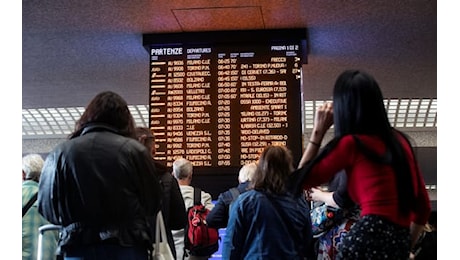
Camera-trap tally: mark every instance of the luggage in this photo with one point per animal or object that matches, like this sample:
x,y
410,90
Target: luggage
x,y
200,240
41,231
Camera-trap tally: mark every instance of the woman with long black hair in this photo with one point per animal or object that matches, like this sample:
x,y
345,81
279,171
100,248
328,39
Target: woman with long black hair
x,y
383,175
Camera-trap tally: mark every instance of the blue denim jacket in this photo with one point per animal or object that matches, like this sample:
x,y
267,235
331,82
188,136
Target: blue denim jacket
x,y
256,230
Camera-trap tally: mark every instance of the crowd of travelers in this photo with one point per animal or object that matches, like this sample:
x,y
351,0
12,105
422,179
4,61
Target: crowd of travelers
x,y
104,188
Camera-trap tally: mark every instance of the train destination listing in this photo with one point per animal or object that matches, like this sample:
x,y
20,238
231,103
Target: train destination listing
x,y
219,106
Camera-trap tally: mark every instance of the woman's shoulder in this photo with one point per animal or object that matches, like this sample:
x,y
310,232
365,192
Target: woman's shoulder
x,y
249,195
250,201
256,196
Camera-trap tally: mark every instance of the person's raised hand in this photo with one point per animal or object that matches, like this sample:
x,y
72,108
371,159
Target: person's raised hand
x,y
324,118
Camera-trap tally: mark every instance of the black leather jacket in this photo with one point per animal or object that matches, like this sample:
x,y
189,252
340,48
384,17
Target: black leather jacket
x,y
102,188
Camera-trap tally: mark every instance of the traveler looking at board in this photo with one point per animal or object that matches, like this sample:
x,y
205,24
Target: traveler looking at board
x,y
383,175
101,186
267,222
32,165
183,172
173,207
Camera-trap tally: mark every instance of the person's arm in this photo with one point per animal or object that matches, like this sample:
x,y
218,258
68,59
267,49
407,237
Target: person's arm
x,y
149,183
422,206
316,194
218,216
48,192
206,200
322,122
339,186
421,213
178,213
415,232
233,242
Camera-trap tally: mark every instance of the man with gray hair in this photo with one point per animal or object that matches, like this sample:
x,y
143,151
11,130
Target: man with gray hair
x,y
183,171
32,165
247,172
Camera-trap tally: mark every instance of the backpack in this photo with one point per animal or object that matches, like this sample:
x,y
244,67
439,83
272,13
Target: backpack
x,y
200,240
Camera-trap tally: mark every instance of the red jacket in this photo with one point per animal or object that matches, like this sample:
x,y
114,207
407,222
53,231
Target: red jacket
x,y
372,185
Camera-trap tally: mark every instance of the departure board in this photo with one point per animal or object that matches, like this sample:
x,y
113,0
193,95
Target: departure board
x,y
218,99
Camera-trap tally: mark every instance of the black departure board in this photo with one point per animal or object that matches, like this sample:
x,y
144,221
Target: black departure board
x,y
219,98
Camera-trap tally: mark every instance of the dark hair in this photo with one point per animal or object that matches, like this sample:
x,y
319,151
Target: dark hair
x,y
358,105
273,169
107,108
359,109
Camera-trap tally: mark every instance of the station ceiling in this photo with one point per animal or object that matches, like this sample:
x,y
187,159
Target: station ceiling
x,y
72,50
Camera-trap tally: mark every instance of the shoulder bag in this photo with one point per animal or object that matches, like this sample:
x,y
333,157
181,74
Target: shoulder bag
x,y
324,217
29,204
161,249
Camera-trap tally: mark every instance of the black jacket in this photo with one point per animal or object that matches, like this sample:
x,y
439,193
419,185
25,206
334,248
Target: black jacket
x,y
218,216
338,185
102,188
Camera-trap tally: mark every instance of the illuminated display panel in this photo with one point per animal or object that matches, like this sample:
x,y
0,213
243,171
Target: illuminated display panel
x,y
218,98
